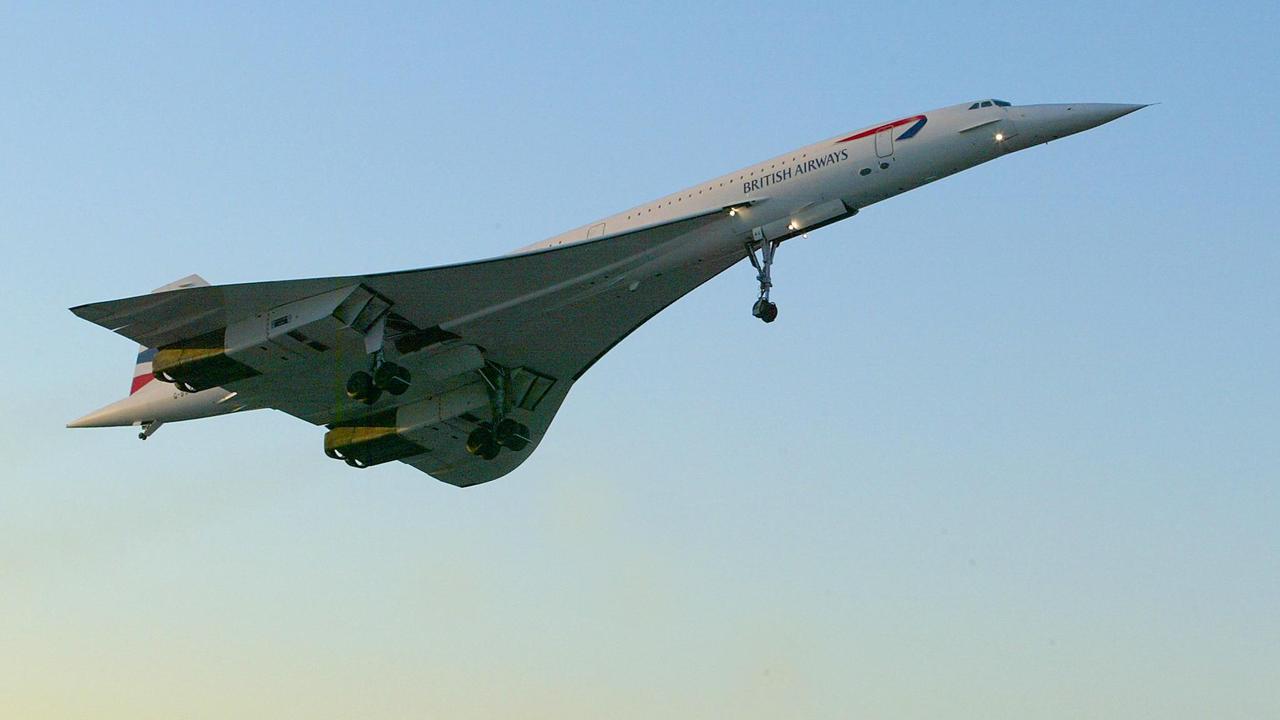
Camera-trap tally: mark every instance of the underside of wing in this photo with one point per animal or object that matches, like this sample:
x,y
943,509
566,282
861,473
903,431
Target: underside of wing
x,y
477,343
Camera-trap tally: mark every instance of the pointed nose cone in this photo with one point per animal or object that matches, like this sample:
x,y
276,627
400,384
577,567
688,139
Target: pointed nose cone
x,y
1091,115
1043,123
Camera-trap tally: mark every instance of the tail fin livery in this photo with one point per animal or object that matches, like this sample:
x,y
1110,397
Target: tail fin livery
x,y
142,370
148,405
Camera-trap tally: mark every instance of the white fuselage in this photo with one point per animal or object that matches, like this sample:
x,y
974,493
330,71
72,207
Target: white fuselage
x,y
826,170
783,196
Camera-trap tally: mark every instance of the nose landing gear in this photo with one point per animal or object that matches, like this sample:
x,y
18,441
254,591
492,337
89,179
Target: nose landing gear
x,y
763,308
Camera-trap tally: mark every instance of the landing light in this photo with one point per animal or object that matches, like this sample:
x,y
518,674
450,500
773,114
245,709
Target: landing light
x,y
733,211
999,137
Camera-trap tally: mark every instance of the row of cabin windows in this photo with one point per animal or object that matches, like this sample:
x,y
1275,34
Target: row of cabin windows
x,y
989,103
712,187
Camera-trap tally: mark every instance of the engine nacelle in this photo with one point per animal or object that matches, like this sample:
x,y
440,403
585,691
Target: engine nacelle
x,y
271,341
403,432
199,363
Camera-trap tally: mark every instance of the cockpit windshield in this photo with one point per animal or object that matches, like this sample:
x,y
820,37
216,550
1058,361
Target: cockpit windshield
x,y
989,103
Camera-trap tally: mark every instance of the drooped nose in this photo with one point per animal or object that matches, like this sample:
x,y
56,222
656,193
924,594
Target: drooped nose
x,y
1042,123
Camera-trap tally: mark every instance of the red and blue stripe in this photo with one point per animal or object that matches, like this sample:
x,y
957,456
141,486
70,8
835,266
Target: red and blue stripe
x,y
915,121
142,370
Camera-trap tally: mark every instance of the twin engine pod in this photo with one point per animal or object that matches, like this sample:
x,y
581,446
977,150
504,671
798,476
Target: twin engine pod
x,y
404,431
270,341
199,363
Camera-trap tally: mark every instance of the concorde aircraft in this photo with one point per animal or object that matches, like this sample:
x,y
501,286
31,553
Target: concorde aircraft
x,y
458,370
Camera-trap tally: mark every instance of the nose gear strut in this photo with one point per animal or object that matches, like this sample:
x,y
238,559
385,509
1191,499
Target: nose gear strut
x,y
763,307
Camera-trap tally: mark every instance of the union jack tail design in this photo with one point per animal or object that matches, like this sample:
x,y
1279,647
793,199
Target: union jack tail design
x,y
142,370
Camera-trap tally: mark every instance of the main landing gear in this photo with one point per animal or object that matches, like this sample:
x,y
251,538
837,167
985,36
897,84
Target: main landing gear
x,y
487,440
386,376
368,386
763,307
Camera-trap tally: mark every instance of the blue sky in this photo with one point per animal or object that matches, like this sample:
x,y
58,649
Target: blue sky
x,y
1010,450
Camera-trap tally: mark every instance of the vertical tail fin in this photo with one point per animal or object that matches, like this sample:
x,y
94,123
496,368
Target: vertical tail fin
x,y
142,368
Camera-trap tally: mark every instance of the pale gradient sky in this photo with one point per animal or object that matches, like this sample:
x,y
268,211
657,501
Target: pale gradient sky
x,y
1012,449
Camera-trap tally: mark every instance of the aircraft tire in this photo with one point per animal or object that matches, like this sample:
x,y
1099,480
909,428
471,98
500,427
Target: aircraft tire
x,y
360,385
392,377
512,435
482,444
769,312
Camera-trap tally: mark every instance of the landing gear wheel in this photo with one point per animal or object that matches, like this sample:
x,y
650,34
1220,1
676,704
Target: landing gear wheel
x,y
392,377
360,386
512,435
765,310
481,443
477,439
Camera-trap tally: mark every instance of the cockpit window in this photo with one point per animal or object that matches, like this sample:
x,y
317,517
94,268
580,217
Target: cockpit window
x,y
989,103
